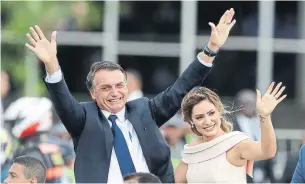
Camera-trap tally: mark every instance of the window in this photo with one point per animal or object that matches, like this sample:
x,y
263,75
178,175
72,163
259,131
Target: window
x,y
285,25
245,14
284,70
158,73
232,72
75,62
150,21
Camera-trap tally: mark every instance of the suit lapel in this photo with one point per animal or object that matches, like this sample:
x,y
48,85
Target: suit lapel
x,y
140,129
137,125
107,132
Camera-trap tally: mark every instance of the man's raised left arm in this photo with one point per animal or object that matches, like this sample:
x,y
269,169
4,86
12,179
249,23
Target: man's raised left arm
x,y
167,103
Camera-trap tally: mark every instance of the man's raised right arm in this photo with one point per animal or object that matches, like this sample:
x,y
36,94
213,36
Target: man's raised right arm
x,y
68,109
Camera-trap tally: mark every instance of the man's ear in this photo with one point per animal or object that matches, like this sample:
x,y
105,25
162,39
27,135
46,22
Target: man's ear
x,y
34,180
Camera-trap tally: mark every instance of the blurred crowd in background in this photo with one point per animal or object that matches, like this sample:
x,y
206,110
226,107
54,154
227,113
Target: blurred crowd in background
x,y
147,75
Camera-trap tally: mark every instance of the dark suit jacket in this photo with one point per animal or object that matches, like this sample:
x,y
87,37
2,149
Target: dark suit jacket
x,y
299,172
92,136
292,160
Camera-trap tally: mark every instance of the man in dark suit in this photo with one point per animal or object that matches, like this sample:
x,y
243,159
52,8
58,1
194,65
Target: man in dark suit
x,y
113,138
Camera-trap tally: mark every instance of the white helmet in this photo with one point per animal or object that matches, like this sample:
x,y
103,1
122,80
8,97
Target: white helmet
x,y
29,115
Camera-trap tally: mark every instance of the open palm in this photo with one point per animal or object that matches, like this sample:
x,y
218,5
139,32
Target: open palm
x,y
266,104
44,49
221,32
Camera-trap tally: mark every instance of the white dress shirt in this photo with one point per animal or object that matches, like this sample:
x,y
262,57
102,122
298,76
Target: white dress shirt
x,y
114,175
250,126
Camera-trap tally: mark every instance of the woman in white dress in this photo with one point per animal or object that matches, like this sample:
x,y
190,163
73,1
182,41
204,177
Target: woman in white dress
x,y
220,155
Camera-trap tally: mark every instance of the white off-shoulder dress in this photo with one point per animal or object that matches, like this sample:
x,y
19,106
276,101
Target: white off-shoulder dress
x,y
207,162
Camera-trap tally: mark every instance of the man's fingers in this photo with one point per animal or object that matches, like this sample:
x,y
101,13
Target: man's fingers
x,y
232,24
29,46
40,33
230,16
53,37
33,42
223,18
35,35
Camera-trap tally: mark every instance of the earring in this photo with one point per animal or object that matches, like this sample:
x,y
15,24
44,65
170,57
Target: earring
x,y
192,125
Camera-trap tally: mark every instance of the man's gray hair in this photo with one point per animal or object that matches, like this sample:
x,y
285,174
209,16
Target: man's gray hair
x,y
246,95
101,65
33,168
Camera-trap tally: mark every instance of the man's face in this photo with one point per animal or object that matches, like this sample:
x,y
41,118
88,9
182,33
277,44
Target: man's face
x,y
110,90
173,134
249,108
16,175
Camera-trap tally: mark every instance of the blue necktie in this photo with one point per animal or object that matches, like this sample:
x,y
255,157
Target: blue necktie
x,y
121,148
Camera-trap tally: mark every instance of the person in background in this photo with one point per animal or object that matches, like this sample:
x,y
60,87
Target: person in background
x,y
5,88
5,137
26,169
31,120
173,132
134,81
247,121
60,133
141,178
69,159
60,136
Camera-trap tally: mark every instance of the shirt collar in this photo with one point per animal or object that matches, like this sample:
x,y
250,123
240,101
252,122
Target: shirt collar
x,y
120,114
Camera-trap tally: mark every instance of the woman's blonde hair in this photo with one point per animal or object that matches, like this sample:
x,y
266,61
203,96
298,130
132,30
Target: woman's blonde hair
x,y
195,96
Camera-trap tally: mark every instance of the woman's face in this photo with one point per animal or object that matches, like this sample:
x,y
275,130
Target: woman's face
x,y
207,120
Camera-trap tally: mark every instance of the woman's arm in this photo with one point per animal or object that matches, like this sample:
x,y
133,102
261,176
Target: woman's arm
x,y
266,149
180,174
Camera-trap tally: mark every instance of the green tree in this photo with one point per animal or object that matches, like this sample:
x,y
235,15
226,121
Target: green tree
x,y
49,15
